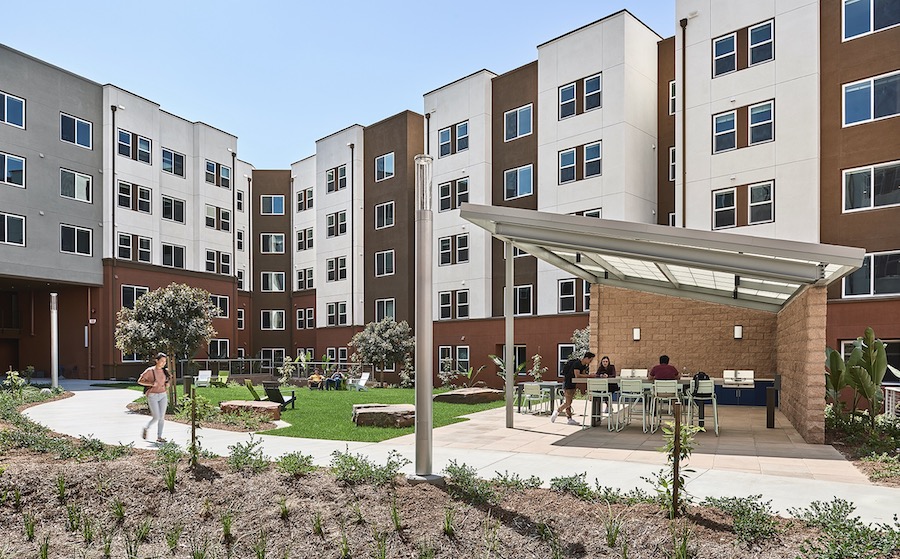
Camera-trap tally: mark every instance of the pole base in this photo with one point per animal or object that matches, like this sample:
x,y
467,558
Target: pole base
x,y
431,479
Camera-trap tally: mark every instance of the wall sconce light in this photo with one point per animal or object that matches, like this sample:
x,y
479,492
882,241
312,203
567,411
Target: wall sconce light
x,y
738,332
636,334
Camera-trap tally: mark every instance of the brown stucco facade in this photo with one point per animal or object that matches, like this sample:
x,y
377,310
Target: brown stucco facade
x,y
665,126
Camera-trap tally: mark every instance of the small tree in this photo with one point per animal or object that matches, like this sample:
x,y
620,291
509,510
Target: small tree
x,y
382,343
582,341
176,319
537,369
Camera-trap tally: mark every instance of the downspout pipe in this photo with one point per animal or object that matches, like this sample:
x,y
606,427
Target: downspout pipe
x,y
683,149
351,219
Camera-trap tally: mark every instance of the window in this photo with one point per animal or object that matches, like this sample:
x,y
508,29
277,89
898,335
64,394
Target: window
x,y
330,183
309,198
564,353
592,160
172,209
566,295
143,250
593,87
522,299
445,356
384,263
239,240
879,275
598,213
211,260
239,200
672,162
144,199
173,256
724,213
384,167
342,177
384,308
462,248
445,251
445,198
566,166
445,145
310,318
309,278
517,123
336,224
336,269
272,320
517,182
445,305
867,16
672,97
336,314
240,280
134,197
210,172
131,293
272,243
566,101
587,296
12,170
75,240
762,48
462,191
384,215
762,124
75,185
124,246
124,198
240,353
462,358
308,235
225,263
462,303
872,99
211,216
76,131
301,279
12,110
144,149
271,204
124,143
220,301
12,229
301,319
172,162
724,134
761,210
272,357
225,176
724,55
462,136
218,348
671,219
273,281
872,187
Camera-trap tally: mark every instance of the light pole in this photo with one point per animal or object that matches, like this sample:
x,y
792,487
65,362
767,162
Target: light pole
x,y
424,326
54,340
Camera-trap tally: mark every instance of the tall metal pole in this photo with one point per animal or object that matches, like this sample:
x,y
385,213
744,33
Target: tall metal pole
x,y
54,341
510,339
424,325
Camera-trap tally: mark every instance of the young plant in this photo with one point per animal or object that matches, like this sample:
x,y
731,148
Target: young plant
x,y
296,464
106,537
395,515
613,526
142,531
118,510
45,547
199,548
132,546
248,457
29,520
463,483
227,520
172,535
355,469
61,488
426,551
17,498
681,538
751,518
73,517
344,546
170,476
317,524
284,511
259,546
380,543
357,514
576,484
87,529
449,529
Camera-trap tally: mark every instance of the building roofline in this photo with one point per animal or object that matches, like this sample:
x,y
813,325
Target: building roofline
x,y
459,80
303,159
54,66
401,113
339,131
516,69
610,16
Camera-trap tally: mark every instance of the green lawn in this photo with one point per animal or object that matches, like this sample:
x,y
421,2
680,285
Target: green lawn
x,y
326,414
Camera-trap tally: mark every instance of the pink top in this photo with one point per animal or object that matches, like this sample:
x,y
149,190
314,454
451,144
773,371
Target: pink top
x,y
157,377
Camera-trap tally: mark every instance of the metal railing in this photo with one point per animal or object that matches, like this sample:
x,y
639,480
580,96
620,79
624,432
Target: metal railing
x,y
269,366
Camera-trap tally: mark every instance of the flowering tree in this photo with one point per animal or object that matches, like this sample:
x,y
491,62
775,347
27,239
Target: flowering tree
x,y
176,319
382,343
582,341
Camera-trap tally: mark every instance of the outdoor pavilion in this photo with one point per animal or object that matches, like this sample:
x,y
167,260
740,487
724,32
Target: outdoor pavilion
x,y
686,290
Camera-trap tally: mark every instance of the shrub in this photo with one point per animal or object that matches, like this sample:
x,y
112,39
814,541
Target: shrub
x,y
888,466
512,482
844,535
296,464
356,469
576,485
248,457
462,483
751,517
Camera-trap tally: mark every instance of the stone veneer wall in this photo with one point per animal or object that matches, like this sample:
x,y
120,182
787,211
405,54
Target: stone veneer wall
x,y
800,352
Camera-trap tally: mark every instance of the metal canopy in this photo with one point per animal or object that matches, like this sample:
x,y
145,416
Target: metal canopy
x,y
715,266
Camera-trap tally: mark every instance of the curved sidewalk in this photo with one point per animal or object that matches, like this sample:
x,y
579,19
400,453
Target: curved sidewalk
x,y
102,413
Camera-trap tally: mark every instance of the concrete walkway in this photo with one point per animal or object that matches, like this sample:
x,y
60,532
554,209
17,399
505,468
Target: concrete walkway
x,y
528,450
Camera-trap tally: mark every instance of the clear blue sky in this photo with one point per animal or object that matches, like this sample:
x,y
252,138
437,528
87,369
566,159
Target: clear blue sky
x,y
281,75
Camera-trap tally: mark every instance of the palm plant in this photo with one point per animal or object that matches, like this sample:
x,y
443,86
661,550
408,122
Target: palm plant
x,y
863,371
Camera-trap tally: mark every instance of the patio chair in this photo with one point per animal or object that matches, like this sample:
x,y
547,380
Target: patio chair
x,y
249,384
664,392
274,394
222,380
704,393
533,393
631,391
358,384
599,389
203,378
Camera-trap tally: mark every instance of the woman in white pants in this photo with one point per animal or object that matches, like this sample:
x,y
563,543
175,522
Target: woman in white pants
x,y
156,379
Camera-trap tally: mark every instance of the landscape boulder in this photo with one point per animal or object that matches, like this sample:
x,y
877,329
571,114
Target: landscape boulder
x,y
384,415
469,396
272,410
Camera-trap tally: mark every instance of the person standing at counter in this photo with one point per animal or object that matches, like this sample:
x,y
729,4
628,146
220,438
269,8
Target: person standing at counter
x,y
574,367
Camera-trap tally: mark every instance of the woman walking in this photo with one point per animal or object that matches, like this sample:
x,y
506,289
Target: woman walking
x,y
155,379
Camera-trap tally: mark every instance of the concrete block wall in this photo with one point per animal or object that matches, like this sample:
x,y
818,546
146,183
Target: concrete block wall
x,y
801,362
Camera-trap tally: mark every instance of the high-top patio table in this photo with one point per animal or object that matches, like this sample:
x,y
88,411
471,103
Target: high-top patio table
x,y
551,385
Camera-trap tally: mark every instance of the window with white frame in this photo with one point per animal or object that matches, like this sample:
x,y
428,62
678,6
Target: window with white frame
x,y
462,136
272,357
239,200
384,308
873,186
12,110
872,99
445,197
520,358
445,305
271,204
336,224
445,251
240,352
462,358
225,263
309,198
462,248
761,208
240,319
173,256
384,215
336,314
445,357
272,281
131,293
76,131
224,176
724,209
76,186
144,150
172,162
593,92
567,166
566,101
522,302
75,240
593,160
384,167
272,243
239,240
587,295
564,353
123,143
878,275
143,249
224,219
240,279
762,123
218,348
517,182
672,97
462,191
310,318
598,213
272,319
671,219
309,278
211,260
672,162
725,55
172,209
724,132
517,123
210,174
330,181
566,297
12,170
445,142
462,303
211,216
342,177
384,263
336,269
123,251
862,17
220,301
517,252
762,46
301,319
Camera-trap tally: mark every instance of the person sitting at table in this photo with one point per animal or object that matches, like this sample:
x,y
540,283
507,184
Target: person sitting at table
x,y
334,380
663,371
315,380
606,369
574,367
